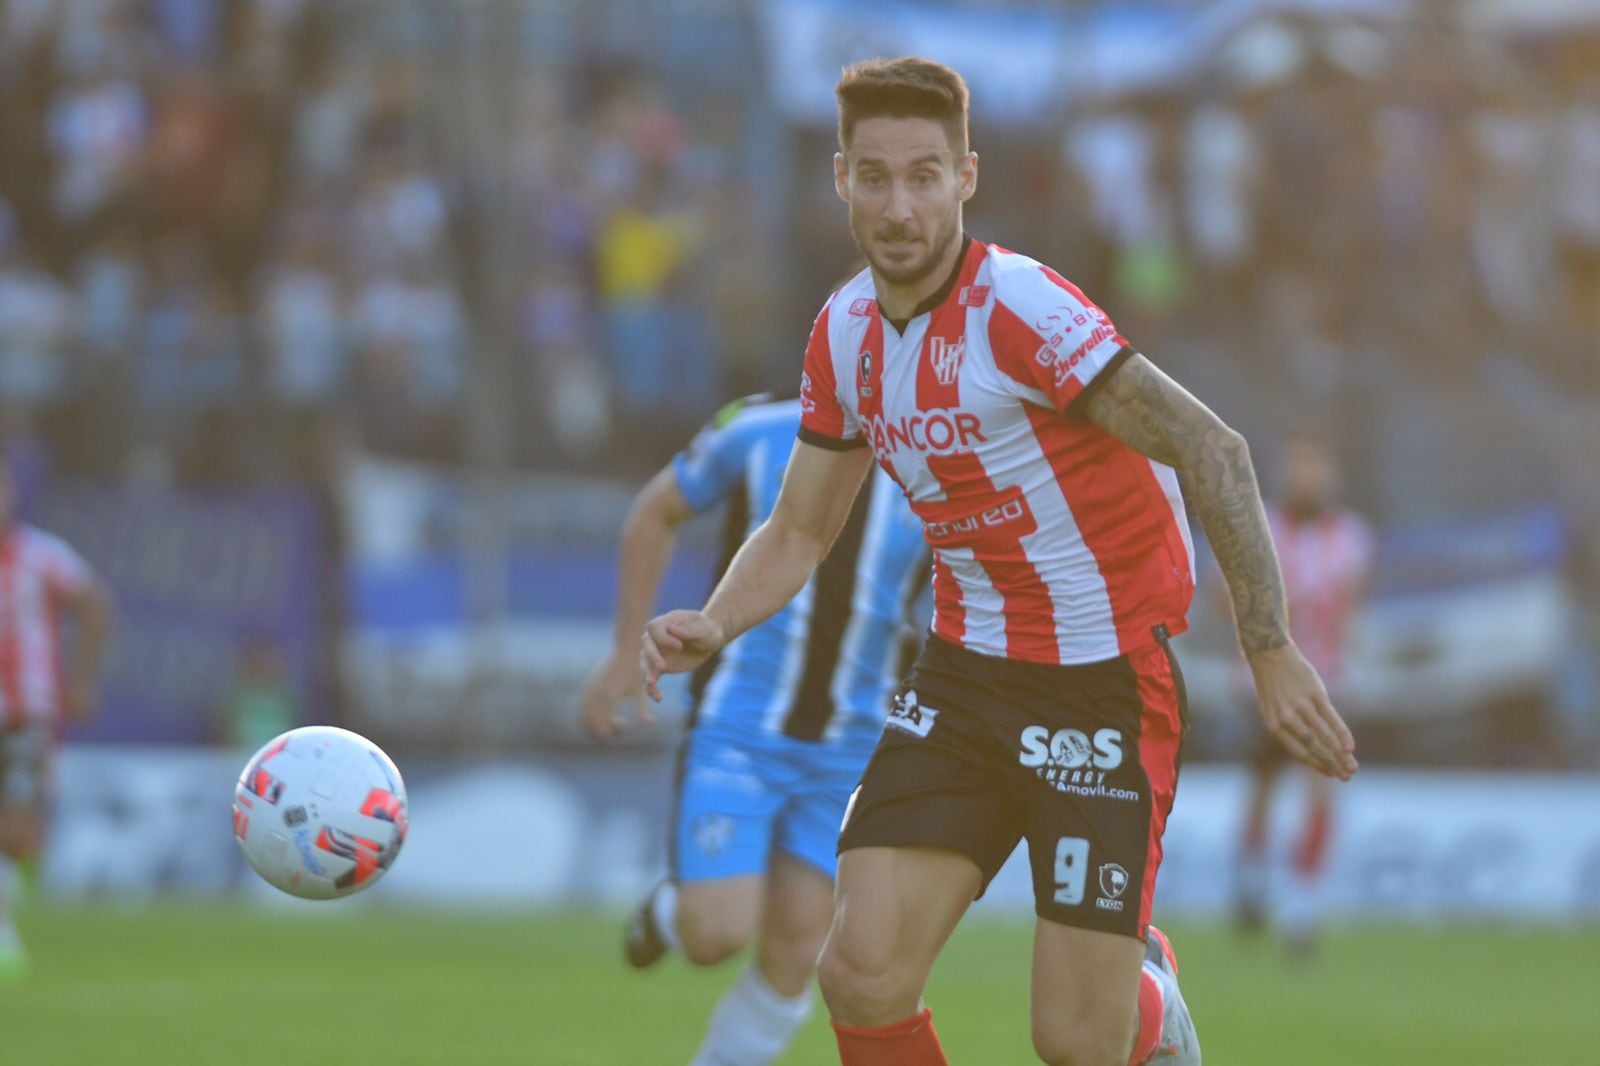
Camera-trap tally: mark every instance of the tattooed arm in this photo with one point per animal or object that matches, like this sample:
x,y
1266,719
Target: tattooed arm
x,y
1151,413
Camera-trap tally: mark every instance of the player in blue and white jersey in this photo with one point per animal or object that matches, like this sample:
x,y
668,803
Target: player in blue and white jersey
x,y
784,721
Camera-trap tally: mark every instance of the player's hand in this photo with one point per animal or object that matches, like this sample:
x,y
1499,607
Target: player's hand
x,y
675,642
613,684
1296,709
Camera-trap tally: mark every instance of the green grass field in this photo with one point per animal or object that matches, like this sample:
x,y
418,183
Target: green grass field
x,y
196,986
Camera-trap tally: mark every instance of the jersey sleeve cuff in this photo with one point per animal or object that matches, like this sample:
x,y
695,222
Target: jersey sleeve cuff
x,y
1112,366
696,493
833,444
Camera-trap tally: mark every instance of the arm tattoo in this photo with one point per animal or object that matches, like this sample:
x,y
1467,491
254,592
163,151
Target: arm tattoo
x,y
1151,413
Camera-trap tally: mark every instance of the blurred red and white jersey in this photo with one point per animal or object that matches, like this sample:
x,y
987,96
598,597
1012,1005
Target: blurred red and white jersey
x,y
37,569
1053,541
1326,562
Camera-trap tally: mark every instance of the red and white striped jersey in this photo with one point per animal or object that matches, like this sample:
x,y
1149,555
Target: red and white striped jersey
x,y
1053,541
1326,562
37,569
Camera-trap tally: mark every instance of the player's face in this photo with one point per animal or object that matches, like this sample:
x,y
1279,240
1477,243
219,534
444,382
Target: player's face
x,y
905,189
1310,476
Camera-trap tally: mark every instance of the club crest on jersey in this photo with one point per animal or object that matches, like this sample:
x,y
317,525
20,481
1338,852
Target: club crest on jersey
x,y
946,356
863,307
973,295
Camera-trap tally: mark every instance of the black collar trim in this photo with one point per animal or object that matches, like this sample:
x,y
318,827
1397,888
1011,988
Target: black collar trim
x,y
940,296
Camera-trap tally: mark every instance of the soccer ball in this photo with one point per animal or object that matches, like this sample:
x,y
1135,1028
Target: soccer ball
x,y
320,812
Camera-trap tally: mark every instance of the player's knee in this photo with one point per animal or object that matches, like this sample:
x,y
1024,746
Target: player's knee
x,y
861,983
1067,1040
710,937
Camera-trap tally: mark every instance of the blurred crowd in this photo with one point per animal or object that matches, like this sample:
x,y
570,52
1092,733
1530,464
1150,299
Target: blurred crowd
x,y
240,240
1388,231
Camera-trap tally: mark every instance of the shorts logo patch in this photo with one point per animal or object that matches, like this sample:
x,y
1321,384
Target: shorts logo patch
x,y
1113,883
910,716
713,833
1070,760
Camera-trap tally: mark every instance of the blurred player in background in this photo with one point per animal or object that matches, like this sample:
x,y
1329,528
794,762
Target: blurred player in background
x,y
41,578
1042,454
784,720
1326,554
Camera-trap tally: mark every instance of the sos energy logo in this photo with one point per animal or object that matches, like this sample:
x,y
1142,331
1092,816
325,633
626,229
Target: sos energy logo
x,y
1069,759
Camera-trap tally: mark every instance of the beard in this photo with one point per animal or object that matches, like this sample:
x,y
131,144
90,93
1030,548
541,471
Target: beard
x,y
910,269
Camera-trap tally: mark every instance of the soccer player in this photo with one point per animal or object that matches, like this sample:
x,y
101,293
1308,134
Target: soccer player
x,y
1326,551
1043,455
41,576
784,721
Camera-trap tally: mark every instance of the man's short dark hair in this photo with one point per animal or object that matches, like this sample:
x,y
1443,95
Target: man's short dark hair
x,y
908,87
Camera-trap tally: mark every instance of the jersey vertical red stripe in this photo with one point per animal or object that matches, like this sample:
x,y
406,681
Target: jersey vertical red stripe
x,y
1122,513
969,490
1029,610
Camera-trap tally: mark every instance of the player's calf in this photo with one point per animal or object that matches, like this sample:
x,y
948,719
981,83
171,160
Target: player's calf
x,y
1070,1039
796,915
1107,999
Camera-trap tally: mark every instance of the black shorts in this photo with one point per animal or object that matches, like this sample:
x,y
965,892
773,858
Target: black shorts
x,y
24,765
1081,760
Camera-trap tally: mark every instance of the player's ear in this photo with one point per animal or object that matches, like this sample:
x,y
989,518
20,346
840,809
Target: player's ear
x,y
841,176
967,176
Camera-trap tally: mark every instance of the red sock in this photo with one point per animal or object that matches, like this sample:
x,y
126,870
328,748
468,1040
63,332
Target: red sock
x,y
1313,849
909,1042
1150,1005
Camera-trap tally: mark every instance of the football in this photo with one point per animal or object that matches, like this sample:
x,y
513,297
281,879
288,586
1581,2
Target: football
x,y
320,812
